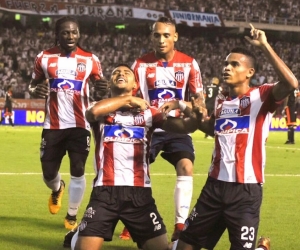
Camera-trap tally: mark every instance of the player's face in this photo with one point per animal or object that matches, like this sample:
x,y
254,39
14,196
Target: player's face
x,y
68,36
163,38
122,78
237,69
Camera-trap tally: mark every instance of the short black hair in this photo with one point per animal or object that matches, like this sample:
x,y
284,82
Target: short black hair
x,y
166,20
124,65
248,53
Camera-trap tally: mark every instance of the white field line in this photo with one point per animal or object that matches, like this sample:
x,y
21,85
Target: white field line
x,y
154,174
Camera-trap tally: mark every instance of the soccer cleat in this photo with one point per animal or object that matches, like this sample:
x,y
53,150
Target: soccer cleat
x,y
289,142
54,203
178,228
70,222
264,242
125,235
68,237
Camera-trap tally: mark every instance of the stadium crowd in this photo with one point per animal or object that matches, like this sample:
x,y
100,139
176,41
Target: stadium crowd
x,y
19,45
18,49
263,10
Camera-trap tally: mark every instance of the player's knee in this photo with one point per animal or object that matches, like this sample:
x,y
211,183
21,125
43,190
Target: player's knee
x,y
77,169
77,164
184,167
50,170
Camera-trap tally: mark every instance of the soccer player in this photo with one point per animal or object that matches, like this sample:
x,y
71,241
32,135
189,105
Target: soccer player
x,y
8,106
290,112
122,127
163,75
211,91
232,194
61,75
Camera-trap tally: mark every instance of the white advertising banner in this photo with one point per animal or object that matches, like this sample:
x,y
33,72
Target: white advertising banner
x,y
196,19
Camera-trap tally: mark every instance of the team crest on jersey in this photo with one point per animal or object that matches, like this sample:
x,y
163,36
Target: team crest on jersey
x,y
245,102
234,125
179,76
139,120
81,67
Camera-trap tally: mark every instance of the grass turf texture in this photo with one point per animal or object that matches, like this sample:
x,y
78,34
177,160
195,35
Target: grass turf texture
x,y
27,224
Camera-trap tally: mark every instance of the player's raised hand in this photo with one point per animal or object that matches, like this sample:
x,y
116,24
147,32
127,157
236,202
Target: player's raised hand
x,y
258,37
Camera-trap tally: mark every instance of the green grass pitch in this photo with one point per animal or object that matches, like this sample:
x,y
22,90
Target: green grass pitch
x,y
26,223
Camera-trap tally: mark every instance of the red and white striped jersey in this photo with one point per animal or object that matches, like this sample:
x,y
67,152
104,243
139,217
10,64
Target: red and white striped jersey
x,y
122,144
241,130
69,89
160,82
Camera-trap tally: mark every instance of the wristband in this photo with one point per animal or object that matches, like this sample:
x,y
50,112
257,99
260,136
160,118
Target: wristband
x,y
182,105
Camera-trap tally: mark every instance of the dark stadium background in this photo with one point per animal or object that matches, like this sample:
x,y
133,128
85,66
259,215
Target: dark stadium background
x,y
115,35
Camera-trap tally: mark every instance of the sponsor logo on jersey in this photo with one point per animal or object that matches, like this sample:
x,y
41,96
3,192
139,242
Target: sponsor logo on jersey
x,y
164,95
234,125
81,67
245,102
59,85
145,65
179,76
52,65
165,83
224,112
64,73
123,134
247,245
89,212
184,65
150,75
193,214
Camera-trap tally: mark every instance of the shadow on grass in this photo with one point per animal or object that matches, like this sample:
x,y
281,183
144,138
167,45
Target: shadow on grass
x,y
20,233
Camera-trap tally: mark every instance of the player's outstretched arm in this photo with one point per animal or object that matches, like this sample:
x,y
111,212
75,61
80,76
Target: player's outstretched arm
x,y
104,107
287,80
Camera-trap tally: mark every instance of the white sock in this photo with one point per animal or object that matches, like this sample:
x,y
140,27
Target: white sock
x,y
175,243
76,191
74,240
54,184
183,196
260,248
